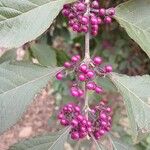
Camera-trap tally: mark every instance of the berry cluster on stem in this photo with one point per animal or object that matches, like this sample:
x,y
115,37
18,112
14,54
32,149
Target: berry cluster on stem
x,y
81,126
85,73
84,18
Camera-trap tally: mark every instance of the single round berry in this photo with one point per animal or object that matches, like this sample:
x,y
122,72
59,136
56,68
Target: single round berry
x,y
107,20
82,77
75,135
108,69
95,4
60,116
83,68
90,74
98,89
102,12
74,59
80,92
97,60
59,76
78,57
90,85
84,20
97,135
80,117
77,109
67,64
65,12
75,27
64,122
84,29
102,132
110,11
94,21
74,122
74,93
103,116
81,7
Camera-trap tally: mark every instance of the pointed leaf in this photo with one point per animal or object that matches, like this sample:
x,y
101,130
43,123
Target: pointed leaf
x,y
136,94
53,141
18,84
24,20
44,54
134,16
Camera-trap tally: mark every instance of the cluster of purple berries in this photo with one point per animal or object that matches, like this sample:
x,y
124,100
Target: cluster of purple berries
x,y
82,21
85,74
103,120
71,115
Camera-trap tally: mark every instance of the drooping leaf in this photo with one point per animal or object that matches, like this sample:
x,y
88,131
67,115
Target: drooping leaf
x,y
136,94
18,84
44,54
8,56
53,141
134,16
24,20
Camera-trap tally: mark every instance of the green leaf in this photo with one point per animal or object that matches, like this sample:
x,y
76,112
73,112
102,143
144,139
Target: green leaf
x,y
136,94
8,56
18,84
119,145
25,20
44,54
106,84
134,16
53,141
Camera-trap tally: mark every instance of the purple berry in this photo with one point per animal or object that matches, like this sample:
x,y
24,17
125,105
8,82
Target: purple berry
x,y
107,20
77,109
97,60
80,117
74,93
110,11
83,68
60,116
80,92
103,116
90,73
82,77
95,4
74,59
94,21
81,6
84,20
75,135
90,85
98,90
67,64
102,12
74,122
64,122
59,76
108,69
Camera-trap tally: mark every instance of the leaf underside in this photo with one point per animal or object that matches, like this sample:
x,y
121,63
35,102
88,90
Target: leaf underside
x,y
134,16
136,94
19,83
22,21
